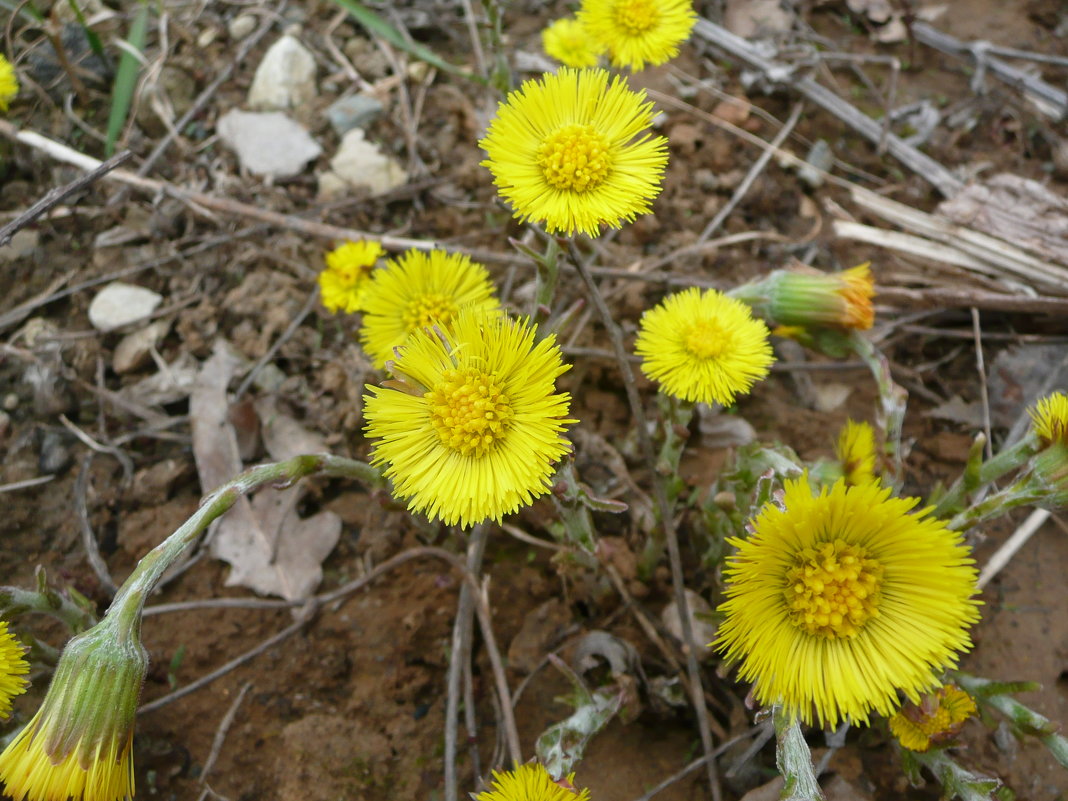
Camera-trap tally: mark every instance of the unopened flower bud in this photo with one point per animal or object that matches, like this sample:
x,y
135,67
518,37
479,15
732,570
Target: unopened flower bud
x,y
78,744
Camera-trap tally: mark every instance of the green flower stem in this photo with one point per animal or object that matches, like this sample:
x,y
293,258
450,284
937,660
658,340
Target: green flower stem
x,y
500,74
16,601
675,416
130,599
1024,720
755,295
957,782
892,398
1025,492
1002,463
547,270
794,759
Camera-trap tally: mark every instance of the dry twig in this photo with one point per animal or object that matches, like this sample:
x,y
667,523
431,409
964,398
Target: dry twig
x,y
56,196
923,165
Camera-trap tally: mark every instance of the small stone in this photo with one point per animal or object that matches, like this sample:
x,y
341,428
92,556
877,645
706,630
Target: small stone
x,y
268,143
819,161
359,163
120,304
134,349
22,244
241,26
55,456
285,78
357,111
11,402
207,36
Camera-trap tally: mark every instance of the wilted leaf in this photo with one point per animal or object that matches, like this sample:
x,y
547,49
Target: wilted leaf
x,y
270,548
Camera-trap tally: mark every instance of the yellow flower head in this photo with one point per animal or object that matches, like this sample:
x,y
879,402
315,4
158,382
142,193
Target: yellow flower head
x,y
9,83
937,719
1049,419
78,744
1049,466
639,32
531,782
703,346
839,601
348,272
568,41
472,427
856,452
13,667
570,150
417,290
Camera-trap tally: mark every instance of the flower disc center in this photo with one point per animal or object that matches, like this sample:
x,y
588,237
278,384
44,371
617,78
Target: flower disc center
x,y
574,158
349,275
833,589
707,339
469,411
636,16
424,310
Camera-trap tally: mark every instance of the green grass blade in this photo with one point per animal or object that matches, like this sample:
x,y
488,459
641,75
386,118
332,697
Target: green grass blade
x,y
90,35
379,27
126,80
28,10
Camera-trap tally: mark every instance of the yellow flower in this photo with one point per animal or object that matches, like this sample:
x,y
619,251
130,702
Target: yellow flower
x,y
417,290
703,346
856,452
1049,466
472,427
568,41
531,782
1049,419
12,669
348,272
638,32
9,83
78,744
570,151
937,719
837,602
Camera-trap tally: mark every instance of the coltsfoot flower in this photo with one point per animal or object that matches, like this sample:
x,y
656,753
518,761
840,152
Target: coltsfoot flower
x,y
568,41
13,669
937,719
703,346
530,782
639,32
856,452
344,281
1049,419
839,601
9,83
570,150
1049,422
78,744
473,424
416,291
